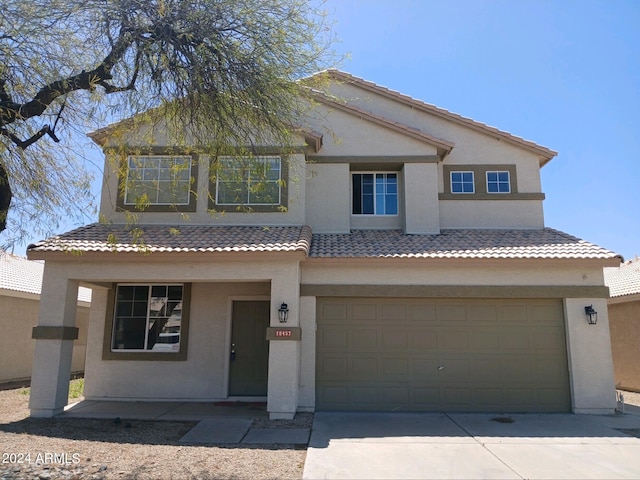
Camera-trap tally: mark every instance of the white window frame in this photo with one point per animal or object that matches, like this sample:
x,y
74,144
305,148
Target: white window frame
x,y
498,181
462,182
397,194
133,164
266,159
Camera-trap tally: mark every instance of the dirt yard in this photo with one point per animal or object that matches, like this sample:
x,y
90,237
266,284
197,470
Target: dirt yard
x,y
70,449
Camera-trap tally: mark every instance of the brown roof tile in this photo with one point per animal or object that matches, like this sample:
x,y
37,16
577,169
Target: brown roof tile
x,y
177,238
510,244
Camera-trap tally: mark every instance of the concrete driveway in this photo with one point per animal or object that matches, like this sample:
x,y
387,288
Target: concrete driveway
x,y
474,446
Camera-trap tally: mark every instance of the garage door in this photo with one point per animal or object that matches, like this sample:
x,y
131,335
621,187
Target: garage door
x,y
441,355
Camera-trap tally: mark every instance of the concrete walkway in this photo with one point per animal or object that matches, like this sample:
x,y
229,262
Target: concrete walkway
x,y
218,422
473,446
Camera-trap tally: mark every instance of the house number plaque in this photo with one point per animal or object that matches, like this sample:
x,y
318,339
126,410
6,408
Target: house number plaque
x,y
284,333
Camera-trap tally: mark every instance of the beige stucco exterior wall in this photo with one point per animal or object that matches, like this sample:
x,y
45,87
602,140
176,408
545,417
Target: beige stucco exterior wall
x,y
328,198
525,214
350,135
450,272
592,386
203,376
327,208
470,146
624,324
19,316
421,206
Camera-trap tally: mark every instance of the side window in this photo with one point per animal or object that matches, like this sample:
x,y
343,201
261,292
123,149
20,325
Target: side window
x,y
498,182
147,318
462,182
158,180
374,193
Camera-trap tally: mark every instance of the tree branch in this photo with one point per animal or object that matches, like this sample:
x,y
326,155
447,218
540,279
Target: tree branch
x,y
23,144
12,111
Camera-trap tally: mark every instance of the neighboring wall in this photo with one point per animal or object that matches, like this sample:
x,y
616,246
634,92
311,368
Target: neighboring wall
x,y
19,316
624,322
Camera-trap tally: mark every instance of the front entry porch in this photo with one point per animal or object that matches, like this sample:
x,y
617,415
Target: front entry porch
x,y
216,336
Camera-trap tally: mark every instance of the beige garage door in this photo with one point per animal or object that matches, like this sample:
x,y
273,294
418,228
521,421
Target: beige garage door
x,y
441,355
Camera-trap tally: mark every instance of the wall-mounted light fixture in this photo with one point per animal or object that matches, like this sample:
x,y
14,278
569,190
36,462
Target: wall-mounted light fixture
x,y
283,313
592,315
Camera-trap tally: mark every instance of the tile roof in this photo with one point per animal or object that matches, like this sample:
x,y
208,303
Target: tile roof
x,y
509,244
177,238
545,152
21,275
623,280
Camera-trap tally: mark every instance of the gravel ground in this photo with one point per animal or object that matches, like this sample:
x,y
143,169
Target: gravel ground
x,y
73,449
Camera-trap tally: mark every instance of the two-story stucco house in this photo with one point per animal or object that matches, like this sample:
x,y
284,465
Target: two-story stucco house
x,y
406,242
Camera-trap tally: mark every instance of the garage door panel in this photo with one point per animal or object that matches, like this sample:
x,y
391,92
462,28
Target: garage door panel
x,y
421,313
334,312
451,313
423,339
394,338
486,369
364,368
484,313
549,339
363,339
366,396
437,354
332,368
394,312
363,312
336,339
550,368
455,370
394,369
425,369
452,339
516,369
515,339
483,339
514,314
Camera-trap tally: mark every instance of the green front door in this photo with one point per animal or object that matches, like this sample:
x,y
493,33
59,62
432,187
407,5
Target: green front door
x,y
249,365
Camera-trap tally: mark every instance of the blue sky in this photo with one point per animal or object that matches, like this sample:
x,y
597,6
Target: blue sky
x,y
564,74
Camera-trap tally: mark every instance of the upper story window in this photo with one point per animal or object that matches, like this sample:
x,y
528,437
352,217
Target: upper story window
x,y
158,180
249,181
148,318
462,182
375,193
498,182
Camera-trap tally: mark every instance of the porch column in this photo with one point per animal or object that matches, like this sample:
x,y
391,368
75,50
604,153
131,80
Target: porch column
x,y
589,352
54,338
284,354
